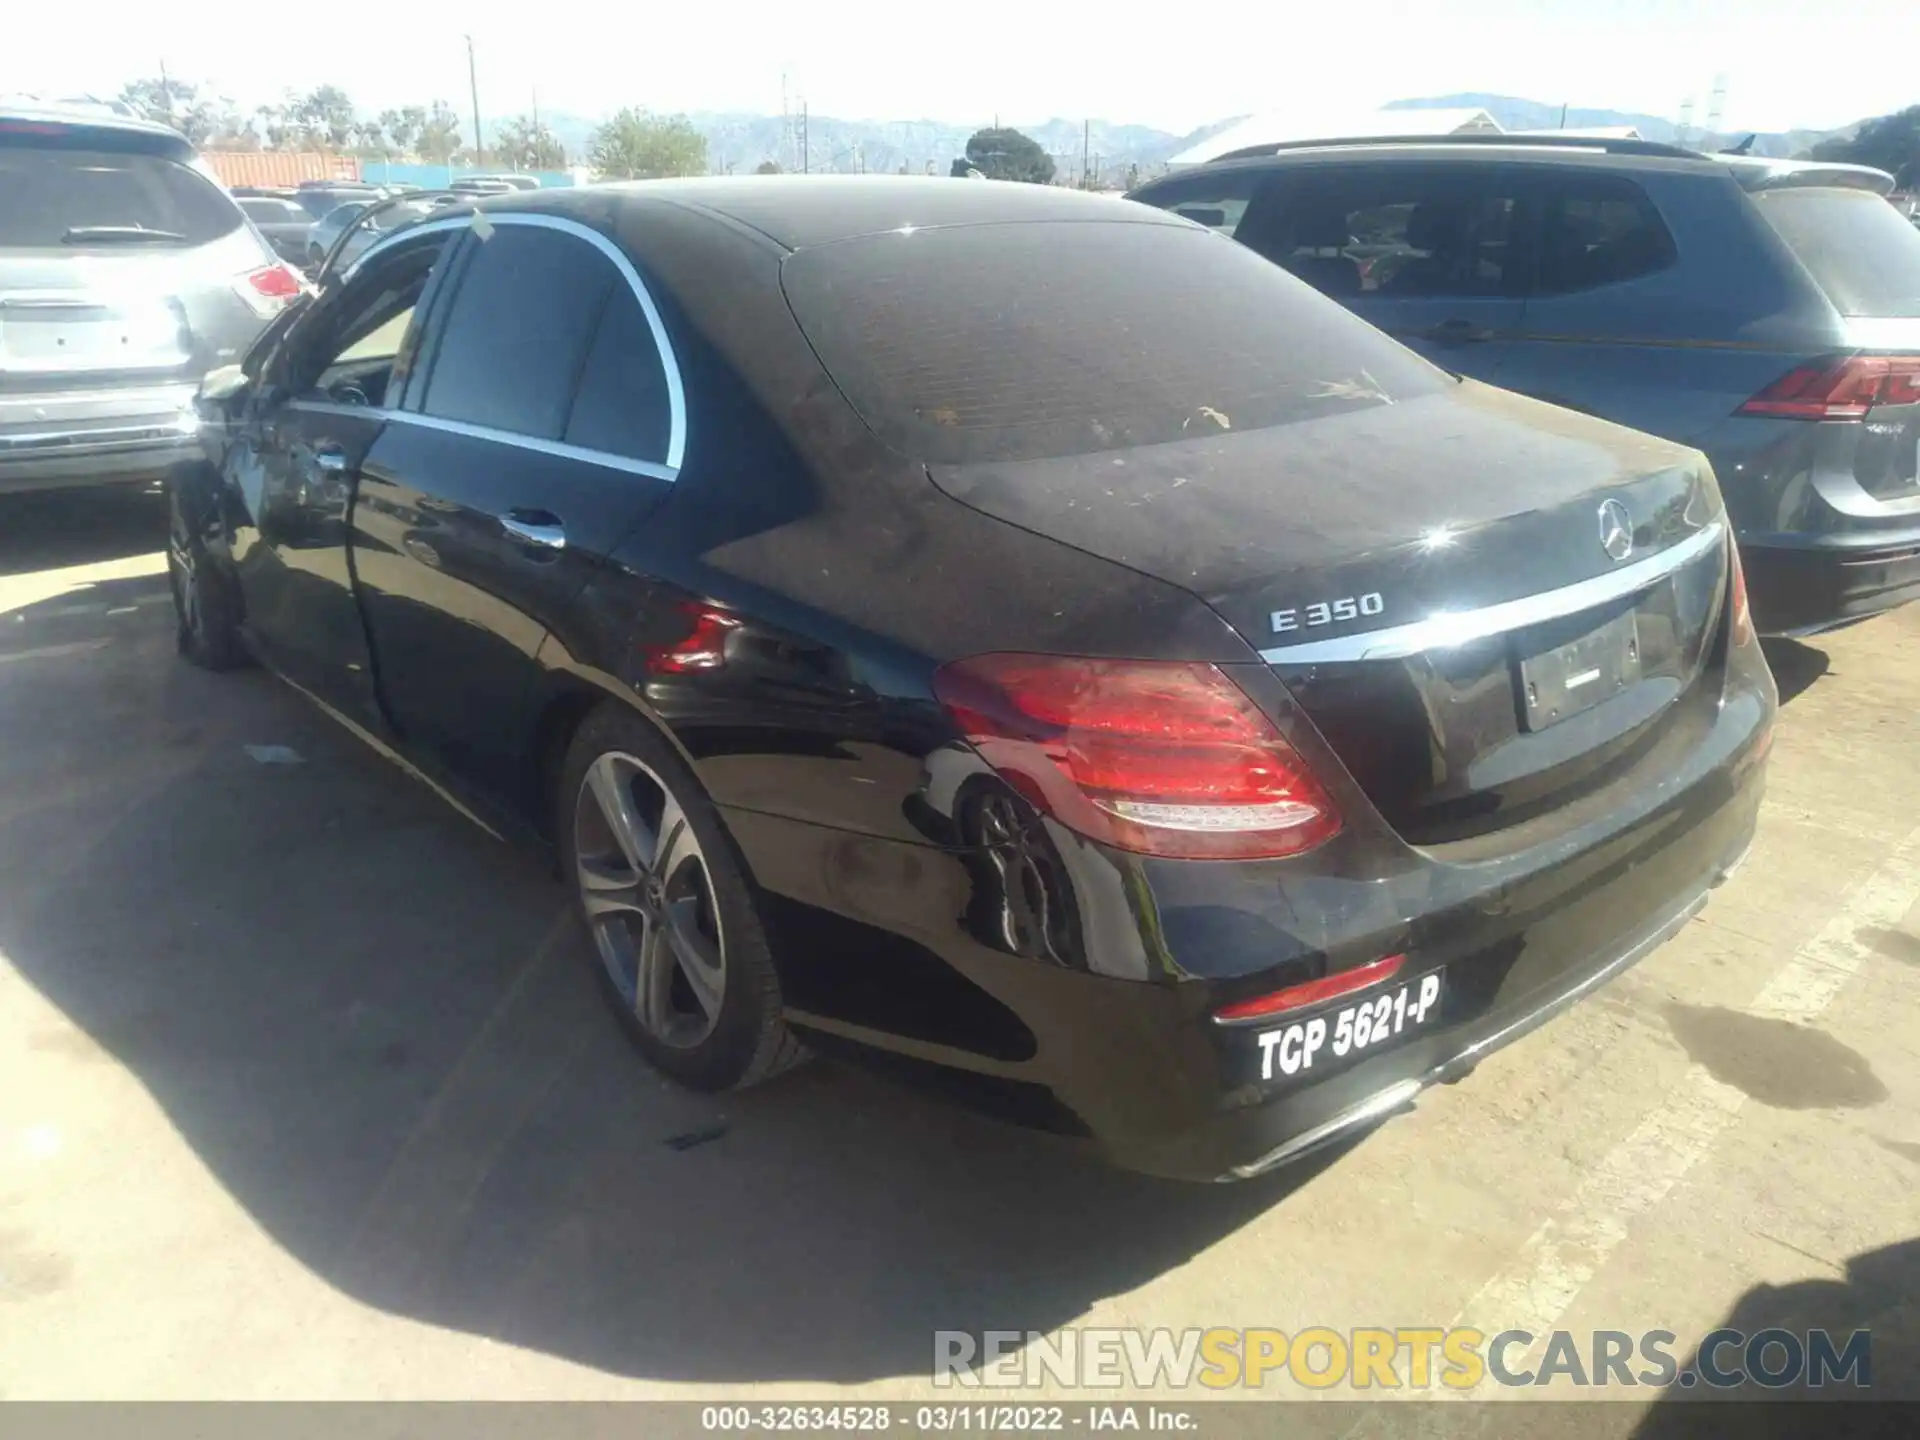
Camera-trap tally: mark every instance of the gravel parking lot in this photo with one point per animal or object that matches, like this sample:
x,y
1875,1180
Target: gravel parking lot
x,y
305,1089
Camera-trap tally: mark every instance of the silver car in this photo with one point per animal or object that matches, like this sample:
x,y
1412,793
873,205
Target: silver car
x,y
323,235
126,273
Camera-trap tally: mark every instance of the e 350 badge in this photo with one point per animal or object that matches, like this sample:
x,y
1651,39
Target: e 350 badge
x,y
1326,612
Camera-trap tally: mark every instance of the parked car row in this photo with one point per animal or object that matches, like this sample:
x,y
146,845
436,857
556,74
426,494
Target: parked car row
x,y
302,222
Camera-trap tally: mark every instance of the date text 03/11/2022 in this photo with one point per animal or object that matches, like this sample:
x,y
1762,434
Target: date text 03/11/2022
x,y
1353,1028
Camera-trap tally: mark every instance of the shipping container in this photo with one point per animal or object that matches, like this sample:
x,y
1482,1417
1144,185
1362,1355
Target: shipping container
x,y
279,168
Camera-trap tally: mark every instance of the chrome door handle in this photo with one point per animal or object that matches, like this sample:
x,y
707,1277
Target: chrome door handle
x,y
333,461
535,527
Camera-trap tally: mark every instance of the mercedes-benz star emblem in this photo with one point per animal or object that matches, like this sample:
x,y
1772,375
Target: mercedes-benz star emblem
x,y
1616,530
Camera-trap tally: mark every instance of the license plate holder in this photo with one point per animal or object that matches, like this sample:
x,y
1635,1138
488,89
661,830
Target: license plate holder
x,y
1563,680
41,339
1310,1045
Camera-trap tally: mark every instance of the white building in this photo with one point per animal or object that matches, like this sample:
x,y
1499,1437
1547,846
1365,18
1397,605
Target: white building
x,y
1275,127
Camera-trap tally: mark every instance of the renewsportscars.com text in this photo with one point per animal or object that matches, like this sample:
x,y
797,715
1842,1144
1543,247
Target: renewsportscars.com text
x,y
1407,1357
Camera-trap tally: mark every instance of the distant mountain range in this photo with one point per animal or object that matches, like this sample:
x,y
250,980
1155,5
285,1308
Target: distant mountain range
x,y
741,141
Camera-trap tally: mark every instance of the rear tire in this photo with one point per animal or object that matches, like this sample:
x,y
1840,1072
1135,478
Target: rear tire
x,y
678,944
206,606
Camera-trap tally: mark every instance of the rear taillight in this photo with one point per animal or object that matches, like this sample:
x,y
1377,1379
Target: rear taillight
x,y
1840,389
1157,757
1313,992
268,289
1741,624
704,647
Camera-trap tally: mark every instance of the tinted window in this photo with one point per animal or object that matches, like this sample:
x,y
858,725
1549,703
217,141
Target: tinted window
x,y
622,405
1596,230
1011,342
271,212
1398,230
1215,200
46,196
353,345
1857,246
518,329
318,202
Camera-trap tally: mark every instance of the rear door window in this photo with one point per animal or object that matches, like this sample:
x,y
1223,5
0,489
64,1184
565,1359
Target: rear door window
x,y
1398,230
1857,247
623,406
57,197
1598,230
518,330
1025,341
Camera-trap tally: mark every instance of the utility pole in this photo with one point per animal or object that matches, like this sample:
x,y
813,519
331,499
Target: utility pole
x,y
1086,143
1563,114
806,152
473,85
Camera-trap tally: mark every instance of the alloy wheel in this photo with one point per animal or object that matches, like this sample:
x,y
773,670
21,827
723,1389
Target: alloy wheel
x,y
184,574
648,897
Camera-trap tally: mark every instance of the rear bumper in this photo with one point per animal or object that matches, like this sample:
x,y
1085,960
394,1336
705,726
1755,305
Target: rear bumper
x,y
1801,589
1108,1031
1827,515
100,437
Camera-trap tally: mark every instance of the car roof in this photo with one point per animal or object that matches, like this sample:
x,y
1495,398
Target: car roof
x,y
1754,172
99,130
797,211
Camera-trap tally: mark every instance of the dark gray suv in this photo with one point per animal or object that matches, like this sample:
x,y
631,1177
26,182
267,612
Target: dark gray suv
x,y
126,273
1765,311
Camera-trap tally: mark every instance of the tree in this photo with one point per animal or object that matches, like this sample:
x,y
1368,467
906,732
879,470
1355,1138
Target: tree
x,y
1891,143
370,137
438,136
635,145
526,144
403,126
767,167
206,119
324,117
1006,154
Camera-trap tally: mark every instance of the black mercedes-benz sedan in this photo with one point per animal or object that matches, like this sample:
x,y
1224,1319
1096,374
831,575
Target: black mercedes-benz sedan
x,y
1022,641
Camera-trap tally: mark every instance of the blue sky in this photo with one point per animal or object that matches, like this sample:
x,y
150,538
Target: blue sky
x,y
1171,65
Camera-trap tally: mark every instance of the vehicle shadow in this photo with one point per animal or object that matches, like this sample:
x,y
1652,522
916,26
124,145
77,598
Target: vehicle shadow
x,y
1796,665
375,1027
1879,1293
58,528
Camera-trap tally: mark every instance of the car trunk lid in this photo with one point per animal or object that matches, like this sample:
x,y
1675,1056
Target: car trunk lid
x,y
1485,603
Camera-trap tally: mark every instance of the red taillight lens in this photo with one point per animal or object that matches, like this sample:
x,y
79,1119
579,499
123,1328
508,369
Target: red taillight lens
x,y
268,288
1313,992
1741,625
1157,757
1842,389
705,645
276,282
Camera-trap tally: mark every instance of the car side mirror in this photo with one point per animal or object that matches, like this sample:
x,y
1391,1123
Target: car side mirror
x,y
224,383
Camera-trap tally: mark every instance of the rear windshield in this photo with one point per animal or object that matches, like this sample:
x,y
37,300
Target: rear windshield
x,y
1862,251
1027,341
271,212
52,197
